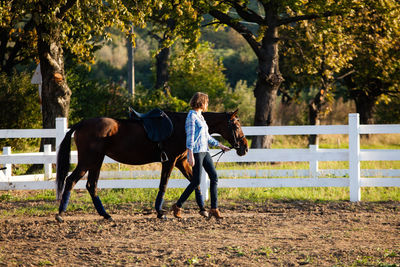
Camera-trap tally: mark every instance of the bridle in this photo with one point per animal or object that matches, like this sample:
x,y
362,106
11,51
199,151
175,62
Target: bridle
x,y
236,140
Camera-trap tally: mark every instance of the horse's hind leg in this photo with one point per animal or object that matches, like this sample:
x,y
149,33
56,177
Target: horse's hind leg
x,y
70,182
165,174
91,186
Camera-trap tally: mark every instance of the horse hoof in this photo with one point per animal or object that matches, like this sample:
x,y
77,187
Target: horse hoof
x,y
108,217
59,218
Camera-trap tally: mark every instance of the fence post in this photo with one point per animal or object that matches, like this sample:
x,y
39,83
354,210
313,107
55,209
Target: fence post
x,y
204,184
314,162
8,171
354,154
61,129
47,166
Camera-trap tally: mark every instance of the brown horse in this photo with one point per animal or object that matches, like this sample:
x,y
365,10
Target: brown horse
x,y
125,141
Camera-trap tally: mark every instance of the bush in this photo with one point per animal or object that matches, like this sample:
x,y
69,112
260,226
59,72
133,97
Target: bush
x,y
96,98
145,100
19,108
247,104
201,71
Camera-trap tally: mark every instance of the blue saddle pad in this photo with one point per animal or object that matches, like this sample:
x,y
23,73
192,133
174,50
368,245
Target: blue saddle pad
x,y
156,123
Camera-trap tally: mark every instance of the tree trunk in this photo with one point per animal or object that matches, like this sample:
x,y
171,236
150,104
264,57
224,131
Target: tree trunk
x,y
314,110
265,94
55,92
268,82
365,107
162,58
313,116
162,68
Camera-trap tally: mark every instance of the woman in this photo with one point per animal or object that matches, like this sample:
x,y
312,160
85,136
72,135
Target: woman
x,y
197,140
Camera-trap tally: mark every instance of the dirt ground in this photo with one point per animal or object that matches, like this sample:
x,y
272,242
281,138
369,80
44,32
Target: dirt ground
x,y
274,233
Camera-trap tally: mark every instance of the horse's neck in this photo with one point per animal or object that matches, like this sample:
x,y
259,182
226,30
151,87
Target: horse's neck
x,y
214,121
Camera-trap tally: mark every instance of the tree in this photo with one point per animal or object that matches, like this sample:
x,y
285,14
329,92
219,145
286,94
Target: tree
x,y
17,35
375,30
58,26
175,21
19,108
259,23
200,70
314,55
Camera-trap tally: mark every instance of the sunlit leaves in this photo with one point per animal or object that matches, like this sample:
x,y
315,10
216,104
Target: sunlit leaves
x,y
200,70
83,26
376,29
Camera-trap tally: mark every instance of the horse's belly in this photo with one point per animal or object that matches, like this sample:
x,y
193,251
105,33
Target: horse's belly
x,y
134,160
134,153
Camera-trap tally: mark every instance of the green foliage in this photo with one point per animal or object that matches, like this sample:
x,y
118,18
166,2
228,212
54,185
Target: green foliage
x,y
96,98
246,103
375,30
18,44
199,71
146,100
388,112
175,20
20,108
239,64
223,39
111,59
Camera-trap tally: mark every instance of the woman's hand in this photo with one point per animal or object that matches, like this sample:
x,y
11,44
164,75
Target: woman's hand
x,y
190,158
224,148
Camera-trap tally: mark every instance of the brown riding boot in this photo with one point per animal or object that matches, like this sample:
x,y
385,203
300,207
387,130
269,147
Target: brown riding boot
x,y
177,211
203,213
215,213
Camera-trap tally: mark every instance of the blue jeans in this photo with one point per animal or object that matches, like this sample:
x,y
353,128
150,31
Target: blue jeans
x,y
202,159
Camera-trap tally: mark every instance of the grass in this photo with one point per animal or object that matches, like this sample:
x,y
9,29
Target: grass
x,y
42,202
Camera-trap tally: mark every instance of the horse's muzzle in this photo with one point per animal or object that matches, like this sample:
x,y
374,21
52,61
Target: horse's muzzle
x,y
243,147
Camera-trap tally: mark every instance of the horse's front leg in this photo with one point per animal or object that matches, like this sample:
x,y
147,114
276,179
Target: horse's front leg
x,y
166,170
186,170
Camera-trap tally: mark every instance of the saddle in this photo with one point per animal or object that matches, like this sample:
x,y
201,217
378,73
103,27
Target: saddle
x,y
157,125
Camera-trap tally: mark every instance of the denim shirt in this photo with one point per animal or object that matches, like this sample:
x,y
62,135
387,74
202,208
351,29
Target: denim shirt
x,y
197,136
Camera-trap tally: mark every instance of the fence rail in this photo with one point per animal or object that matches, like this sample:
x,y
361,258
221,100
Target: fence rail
x,y
354,177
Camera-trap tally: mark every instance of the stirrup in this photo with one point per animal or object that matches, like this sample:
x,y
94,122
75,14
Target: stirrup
x,y
163,156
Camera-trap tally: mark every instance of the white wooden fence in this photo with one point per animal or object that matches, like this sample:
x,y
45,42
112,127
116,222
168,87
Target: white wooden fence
x,y
354,177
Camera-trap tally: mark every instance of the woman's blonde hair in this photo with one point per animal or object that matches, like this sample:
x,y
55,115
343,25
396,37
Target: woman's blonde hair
x,y
198,100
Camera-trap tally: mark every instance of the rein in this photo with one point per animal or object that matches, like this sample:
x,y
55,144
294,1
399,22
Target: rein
x,y
235,141
216,154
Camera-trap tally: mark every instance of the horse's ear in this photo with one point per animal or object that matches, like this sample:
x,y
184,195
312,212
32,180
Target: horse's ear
x,y
234,113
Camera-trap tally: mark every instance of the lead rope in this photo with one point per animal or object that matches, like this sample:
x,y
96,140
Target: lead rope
x,y
221,152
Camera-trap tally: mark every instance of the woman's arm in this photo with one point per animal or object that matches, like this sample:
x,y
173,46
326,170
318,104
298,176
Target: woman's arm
x,y
190,128
213,142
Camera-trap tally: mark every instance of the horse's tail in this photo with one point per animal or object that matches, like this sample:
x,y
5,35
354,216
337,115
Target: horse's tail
x,y
63,160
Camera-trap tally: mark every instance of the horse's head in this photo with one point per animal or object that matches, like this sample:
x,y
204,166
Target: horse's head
x,y
236,136
231,130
